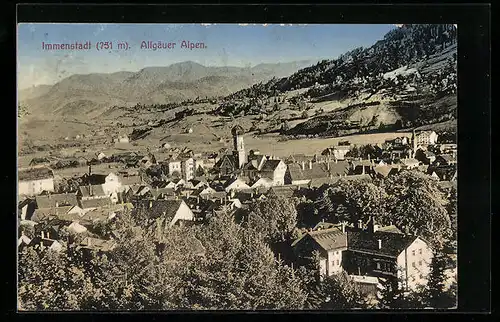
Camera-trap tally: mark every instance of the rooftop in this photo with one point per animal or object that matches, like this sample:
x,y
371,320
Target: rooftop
x,y
53,200
392,244
35,174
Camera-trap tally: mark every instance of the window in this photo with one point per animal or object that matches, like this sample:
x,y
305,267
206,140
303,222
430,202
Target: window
x,y
420,251
413,252
419,263
413,264
338,263
378,265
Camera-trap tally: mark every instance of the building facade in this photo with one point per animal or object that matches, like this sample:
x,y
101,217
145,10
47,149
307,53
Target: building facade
x,y
33,181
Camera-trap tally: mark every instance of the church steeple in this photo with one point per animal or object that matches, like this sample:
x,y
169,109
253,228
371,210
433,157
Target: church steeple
x,y
239,145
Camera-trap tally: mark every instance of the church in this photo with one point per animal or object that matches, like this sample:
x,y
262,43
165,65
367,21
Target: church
x,y
232,163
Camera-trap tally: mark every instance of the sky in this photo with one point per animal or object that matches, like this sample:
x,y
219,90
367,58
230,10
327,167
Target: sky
x,y
239,45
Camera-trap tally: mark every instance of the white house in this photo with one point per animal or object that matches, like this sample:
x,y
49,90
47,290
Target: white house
x,y
276,170
329,243
33,181
262,183
236,184
425,138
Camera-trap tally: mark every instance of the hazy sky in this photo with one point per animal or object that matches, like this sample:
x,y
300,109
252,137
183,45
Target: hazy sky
x,y
227,45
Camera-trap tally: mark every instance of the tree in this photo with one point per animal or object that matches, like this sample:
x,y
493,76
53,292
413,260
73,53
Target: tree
x,y
239,271
435,294
416,203
353,201
275,217
51,281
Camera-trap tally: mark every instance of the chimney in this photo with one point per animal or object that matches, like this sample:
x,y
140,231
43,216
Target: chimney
x,y
89,241
360,224
342,225
48,236
43,235
303,165
57,204
150,204
375,227
379,244
328,165
310,164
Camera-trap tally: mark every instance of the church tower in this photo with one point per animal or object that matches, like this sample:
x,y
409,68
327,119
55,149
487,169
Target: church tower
x,y
238,145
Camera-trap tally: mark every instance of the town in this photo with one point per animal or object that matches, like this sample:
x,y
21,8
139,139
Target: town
x,y
187,189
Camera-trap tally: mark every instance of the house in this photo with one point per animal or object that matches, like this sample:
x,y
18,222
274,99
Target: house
x,y
32,181
93,179
173,167
329,244
196,184
39,161
235,184
274,169
43,242
91,204
286,191
298,158
112,186
227,164
91,192
101,156
362,166
425,138
369,286
188,168
303,175
90,244
262,183
23,241
46,214
443,173
445,160
339,151
129,180
122,139
26,208
409,163
383,171
56,200
386,254
424,156
165,212
76,228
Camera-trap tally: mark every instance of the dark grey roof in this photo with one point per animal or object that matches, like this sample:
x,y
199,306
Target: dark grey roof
x,y
286,191
392,243
35,174
92,190
329,239
159,208
48,201
270,165
95,203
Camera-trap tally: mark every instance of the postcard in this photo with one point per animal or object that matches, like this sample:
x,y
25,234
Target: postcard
x,y
236,166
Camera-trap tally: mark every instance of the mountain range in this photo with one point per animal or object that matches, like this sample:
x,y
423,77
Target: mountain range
x,y
82,94
406,79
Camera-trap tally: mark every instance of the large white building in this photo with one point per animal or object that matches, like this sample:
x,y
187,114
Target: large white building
x,y
33,181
